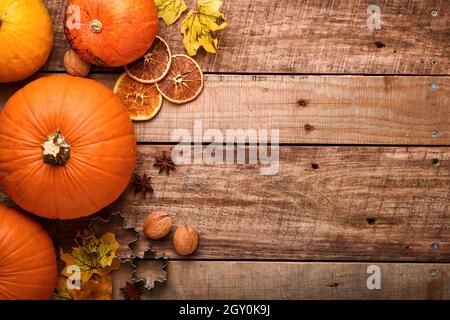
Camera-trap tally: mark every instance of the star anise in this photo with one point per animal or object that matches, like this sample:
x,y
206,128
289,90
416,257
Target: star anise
x,y
142,184
164,163
132,291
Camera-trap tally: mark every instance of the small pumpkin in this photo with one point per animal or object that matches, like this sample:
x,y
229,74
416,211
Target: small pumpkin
x,y
67,147
26,38
111,33
27,258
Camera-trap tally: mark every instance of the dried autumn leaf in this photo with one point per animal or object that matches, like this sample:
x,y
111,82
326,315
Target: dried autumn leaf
x,y
94,290
61,291
105,248
198,27
170,10
91,290
96,257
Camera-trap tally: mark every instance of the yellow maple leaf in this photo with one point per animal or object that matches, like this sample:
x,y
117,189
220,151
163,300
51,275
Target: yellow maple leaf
x,y
170,10
98,256
198,27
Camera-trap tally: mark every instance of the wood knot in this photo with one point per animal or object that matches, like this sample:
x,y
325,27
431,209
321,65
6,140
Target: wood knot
x,y
315,166
371,221
332,285
309,128
379,44
302,103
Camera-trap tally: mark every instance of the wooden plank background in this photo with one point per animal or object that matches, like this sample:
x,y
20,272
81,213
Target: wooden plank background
x,y
357,103
309,109
307,37
243,280
361,204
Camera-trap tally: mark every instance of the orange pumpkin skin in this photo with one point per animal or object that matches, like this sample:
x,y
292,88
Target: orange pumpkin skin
x,y
102,147
27,258
26,38
111,33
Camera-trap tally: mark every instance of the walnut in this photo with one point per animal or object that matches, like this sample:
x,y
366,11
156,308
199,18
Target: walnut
x,y
157,225
185,240
75,65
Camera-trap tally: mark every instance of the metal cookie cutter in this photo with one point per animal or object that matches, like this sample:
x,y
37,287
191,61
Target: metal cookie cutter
x,y
126,236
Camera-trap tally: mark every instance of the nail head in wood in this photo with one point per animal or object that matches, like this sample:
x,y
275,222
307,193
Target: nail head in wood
x,y
434,13
434,86
436,134
435,246
434,272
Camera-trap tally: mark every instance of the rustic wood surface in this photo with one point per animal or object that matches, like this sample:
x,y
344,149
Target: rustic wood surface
x,y
374,186
308,109
299,36
293,280
360,204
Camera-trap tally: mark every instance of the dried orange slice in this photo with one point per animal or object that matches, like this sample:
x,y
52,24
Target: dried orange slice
x,y
142,100
184,82
154,65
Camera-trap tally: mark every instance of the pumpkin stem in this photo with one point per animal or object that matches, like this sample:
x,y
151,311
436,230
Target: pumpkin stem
x,y
55,149
96,26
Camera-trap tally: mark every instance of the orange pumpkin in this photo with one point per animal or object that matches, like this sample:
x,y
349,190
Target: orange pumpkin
x,y
26,38
111,33
67,147
27,258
